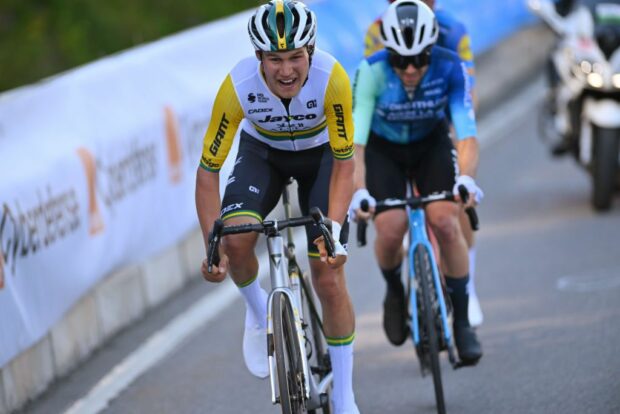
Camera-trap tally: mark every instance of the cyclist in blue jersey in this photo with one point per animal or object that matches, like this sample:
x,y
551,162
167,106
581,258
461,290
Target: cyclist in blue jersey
x,y
401,99
453,35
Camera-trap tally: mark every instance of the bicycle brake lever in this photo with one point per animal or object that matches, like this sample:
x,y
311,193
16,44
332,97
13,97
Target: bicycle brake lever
x,y
213,254
470,211
362,225
325,228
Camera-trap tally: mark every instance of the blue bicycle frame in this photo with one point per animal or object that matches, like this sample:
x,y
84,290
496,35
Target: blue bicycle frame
x,y
418,235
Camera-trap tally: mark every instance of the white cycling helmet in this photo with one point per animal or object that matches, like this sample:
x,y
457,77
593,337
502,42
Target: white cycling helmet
x,y
409,27
282,25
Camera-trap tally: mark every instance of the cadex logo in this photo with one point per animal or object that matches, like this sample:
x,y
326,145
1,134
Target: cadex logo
x,y
173,144
90,170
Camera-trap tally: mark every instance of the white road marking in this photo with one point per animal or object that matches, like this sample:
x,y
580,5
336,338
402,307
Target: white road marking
x,y
166,340
602,279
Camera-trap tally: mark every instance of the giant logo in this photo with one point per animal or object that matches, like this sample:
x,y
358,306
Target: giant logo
x,y
221,133
340,126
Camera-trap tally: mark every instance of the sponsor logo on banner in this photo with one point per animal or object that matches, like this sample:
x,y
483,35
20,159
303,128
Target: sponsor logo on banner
x,y
121,176
28,230
173,144
95,220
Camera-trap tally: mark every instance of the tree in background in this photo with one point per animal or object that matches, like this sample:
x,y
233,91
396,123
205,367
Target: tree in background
x,y
39,38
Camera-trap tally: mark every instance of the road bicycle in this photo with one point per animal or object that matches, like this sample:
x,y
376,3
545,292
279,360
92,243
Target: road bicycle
x,y
299,365
429,308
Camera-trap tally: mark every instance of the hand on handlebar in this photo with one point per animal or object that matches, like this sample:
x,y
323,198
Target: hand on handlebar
x,y
356,213
341,253
218,273
475,193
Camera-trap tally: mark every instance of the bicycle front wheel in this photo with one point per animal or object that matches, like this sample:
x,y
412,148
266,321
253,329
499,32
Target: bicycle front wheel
x,y
289,365
318,357
429,319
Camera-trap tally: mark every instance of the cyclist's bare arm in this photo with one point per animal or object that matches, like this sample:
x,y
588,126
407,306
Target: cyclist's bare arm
x,y
208,208
226,116
468,153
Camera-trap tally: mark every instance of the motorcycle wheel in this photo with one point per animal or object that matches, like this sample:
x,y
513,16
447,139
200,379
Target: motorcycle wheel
x,y
604,167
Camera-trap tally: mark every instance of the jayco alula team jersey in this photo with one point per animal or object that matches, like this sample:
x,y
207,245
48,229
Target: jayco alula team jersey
x,y
382,105
320,113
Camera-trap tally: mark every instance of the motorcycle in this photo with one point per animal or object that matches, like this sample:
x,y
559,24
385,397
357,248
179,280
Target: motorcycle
x,y
583,110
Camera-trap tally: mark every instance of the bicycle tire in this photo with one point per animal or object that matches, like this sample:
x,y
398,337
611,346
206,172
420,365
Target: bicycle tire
x,y
288,356
424,275
319,362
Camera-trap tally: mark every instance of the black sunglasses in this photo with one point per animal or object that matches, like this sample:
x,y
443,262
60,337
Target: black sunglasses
x,y
402,62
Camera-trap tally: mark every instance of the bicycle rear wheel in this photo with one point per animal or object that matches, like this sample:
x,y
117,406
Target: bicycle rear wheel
x,y
429,319
288,356
318,356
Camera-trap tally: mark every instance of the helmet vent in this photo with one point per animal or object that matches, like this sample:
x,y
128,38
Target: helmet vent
x,y
280,24
395,35
308,26
254,28
422,30
408,36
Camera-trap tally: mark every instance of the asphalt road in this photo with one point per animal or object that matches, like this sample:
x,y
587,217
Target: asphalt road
x,y
548,279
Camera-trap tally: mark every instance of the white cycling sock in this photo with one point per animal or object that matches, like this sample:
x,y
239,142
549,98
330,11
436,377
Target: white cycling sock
x,y
255,304
471,288
342,367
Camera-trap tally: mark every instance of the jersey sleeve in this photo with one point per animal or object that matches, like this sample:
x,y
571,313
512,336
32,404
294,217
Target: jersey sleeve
x,y
372,40
460,42
226,116
364,91
461,105
338,107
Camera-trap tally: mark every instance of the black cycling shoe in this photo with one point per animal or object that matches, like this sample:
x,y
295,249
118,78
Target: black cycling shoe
x,y
467,345
395,317
561,148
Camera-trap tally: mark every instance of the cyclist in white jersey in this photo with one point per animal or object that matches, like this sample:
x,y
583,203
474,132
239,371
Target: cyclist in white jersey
x,y
294,108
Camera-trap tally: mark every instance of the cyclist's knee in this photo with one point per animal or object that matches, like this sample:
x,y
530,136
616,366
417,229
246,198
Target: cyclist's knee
x,y
239,246
391,227
328,283
446,227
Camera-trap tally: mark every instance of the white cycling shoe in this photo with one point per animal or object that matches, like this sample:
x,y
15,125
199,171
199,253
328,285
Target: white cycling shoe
x,y
255,351
474,311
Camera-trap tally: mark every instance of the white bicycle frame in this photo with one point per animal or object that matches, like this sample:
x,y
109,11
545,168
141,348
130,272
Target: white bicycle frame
x,y
280,282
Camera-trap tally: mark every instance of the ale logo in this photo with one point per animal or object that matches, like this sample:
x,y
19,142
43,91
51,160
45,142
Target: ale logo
x,y
96,225
173,144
